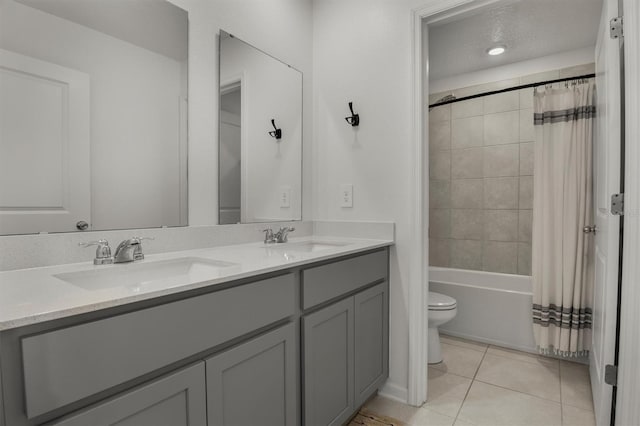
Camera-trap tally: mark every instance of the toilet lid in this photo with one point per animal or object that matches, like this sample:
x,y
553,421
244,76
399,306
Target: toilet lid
x,y
441,302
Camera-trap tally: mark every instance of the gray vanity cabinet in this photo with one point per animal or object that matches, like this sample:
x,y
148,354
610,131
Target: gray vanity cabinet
x,y
346,343
371,312
328,364
255,383
178,399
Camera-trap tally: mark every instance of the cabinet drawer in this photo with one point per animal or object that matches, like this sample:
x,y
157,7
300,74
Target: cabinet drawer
x,y
326,282
66,365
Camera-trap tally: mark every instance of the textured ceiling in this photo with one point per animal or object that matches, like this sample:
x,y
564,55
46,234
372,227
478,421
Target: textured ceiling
x,y
155,25
528,28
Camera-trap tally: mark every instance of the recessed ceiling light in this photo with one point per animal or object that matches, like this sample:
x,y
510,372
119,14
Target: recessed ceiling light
x,y
498,50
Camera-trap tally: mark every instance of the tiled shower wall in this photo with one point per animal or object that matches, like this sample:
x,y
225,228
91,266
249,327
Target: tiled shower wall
x,y
481,183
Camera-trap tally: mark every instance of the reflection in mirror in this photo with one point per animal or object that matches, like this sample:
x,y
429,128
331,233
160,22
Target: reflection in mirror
x,y
93,115
260,173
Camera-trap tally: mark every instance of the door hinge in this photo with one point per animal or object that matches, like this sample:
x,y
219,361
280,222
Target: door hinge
x,y
617,204
611,374
616,27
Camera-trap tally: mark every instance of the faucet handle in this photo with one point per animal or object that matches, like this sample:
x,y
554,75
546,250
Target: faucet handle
x,y
137,252
103,251
268,236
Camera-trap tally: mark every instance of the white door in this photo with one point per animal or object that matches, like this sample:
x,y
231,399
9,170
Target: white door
x,y
606,183
44,146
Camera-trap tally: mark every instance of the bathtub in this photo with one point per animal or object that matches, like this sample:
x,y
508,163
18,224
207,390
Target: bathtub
x,y
492,308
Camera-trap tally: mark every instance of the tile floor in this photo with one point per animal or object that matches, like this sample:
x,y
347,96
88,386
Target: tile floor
x,y
480,384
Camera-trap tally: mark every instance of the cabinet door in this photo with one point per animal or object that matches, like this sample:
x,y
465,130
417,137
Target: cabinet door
x,y
371,341
174,400
255,383
328,364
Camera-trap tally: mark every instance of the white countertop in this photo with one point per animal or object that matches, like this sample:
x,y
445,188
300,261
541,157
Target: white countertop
x,y
30,296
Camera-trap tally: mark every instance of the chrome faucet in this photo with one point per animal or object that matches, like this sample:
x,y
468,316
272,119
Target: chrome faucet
x,y
282,236
129,250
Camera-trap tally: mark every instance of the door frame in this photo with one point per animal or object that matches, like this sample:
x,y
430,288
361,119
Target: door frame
x,y
627,411
419,209
628,392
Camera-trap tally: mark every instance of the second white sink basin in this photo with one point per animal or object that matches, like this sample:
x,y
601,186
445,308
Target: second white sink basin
x,y
148,275
308,246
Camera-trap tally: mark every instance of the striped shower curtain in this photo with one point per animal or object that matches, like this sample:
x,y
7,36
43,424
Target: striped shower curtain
x,y
562,259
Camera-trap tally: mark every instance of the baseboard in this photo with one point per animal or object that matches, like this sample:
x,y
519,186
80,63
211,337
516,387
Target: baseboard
x,y
393,391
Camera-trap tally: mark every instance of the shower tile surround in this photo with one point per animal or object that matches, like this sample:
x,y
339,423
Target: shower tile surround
x,y
481,176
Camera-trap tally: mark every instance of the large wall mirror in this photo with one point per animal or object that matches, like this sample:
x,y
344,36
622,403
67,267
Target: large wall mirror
x,y
260,144
93,115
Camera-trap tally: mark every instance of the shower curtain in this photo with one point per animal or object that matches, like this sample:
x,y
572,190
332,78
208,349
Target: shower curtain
x,y
562,259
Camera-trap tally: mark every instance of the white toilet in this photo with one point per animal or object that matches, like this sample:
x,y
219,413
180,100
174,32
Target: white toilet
x,y
442,309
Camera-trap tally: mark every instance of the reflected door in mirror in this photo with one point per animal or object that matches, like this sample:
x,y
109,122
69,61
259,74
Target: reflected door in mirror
x,y
125,146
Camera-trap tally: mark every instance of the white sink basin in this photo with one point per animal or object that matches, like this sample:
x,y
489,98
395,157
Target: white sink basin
x,y
148,275
307,246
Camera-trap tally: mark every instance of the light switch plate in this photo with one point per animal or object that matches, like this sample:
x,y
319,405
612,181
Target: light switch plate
x,y
285,196
346,195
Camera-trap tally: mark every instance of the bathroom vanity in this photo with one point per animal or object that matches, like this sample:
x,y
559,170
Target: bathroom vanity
x,y
286,335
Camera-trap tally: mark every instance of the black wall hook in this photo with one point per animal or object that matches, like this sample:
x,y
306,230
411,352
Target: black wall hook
x,y
276,133
354,120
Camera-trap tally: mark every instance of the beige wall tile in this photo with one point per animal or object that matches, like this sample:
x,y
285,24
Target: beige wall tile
x,y
501,102
439,252
527,133
496,85
468,108
466,254
526,192
441,113
439,194
467,132
466,224
524,258
540,77
466,193
578,70
501,193
500,257
500,225
526,159
466,163
440,165
439,223
439,135
525,222
501,128
526,98
501,160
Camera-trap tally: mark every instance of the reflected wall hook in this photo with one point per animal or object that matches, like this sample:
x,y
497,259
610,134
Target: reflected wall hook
x,y
276,133
354,120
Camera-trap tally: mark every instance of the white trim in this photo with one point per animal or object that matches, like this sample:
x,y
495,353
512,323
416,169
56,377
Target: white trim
x,y
418,264
393,391
628,394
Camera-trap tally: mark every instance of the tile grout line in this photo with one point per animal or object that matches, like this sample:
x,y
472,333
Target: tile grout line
x,y
471,384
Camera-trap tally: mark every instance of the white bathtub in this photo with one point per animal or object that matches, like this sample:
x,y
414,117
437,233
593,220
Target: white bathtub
x,y
492,308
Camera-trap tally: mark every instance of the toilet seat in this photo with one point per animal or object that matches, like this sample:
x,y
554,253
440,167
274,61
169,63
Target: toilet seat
x,y
441,302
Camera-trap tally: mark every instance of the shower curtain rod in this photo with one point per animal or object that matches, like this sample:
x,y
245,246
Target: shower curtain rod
x,y
510,89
